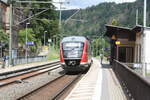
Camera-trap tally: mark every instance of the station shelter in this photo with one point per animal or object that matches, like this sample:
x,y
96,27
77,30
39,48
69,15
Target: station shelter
x,y
125,43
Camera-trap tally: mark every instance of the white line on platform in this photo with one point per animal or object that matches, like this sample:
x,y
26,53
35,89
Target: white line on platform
x,y
98,88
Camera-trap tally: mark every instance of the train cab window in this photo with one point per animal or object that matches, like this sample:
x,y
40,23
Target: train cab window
x,y
73,46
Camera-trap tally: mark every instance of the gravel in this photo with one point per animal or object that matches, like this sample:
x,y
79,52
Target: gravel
x,y
23,72
12,92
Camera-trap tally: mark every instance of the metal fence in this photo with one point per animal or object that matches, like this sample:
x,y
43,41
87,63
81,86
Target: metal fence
x,y
137,85
23,60
138,67
1,62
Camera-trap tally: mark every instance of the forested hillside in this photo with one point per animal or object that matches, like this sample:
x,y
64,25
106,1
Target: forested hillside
x,y
96,17
67,13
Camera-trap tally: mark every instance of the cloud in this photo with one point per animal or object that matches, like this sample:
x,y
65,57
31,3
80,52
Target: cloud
x,y
4,0
74,4
66,5
119,1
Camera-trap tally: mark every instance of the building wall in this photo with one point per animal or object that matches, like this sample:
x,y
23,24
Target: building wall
x,y
138,48
7,20
147,46
3,10
142,50
18,16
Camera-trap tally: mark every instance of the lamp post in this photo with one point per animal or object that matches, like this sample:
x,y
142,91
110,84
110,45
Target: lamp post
x,y
10,34
26,55
44,37
144,40
60,15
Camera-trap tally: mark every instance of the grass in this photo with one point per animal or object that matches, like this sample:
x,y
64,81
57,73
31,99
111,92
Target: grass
x,y
53,54
148,73
98,57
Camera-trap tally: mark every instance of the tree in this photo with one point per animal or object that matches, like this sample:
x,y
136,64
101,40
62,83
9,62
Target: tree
x,y
46,21
3,38
115,22
3,41
30,36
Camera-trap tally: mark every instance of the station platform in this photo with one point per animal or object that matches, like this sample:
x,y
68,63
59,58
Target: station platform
x,y
23,66
100,83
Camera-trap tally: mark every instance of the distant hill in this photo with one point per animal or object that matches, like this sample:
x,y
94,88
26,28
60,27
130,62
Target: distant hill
x,y
67,13
97,16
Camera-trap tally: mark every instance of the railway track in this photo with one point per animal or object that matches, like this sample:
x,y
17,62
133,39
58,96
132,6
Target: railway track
x,y
19,75
52,90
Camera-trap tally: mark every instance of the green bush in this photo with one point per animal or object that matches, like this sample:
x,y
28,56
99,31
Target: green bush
x,y
53,54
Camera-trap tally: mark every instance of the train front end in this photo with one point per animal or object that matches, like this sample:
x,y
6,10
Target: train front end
x,y
73,54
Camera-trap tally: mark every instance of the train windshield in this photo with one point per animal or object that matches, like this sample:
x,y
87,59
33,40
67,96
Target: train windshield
x,y
73,46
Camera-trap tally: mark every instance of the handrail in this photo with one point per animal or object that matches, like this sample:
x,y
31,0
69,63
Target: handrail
x,y
138,86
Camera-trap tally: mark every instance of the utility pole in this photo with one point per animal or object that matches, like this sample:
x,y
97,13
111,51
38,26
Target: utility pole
x,y
44,2
26,43
145,6
60,15
10,34
144,40
137,16
11,11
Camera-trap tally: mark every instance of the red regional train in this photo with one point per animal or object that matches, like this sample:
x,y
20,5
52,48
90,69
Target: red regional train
x,y
75,53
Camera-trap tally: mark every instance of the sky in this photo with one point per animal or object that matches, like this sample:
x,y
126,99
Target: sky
x,y
73,4
86,3
4,0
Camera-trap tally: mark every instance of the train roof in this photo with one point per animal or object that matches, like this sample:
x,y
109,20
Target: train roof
x,y
74,38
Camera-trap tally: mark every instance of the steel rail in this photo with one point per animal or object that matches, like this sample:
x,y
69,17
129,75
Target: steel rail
x,y
30,74
67,86
26,95
27,69
58,94
24,76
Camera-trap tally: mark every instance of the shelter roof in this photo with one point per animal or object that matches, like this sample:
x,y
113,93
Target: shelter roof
x,y
111,29
3,2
